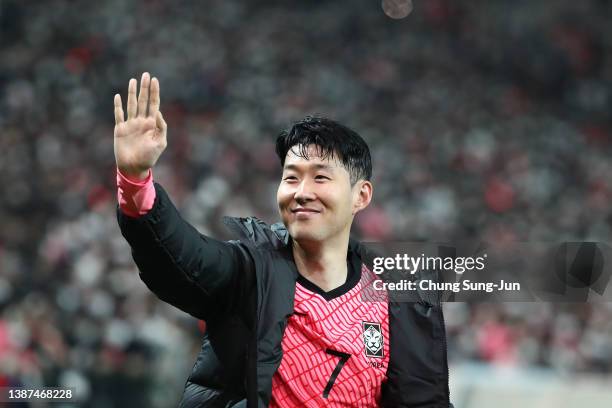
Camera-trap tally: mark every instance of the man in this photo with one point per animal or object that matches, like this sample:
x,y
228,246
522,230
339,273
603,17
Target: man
x,y
287,325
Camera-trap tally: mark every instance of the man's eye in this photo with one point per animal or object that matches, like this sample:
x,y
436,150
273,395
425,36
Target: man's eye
x,y
290,178
320,177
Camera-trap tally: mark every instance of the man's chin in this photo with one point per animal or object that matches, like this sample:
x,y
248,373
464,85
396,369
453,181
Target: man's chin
x,y
300,234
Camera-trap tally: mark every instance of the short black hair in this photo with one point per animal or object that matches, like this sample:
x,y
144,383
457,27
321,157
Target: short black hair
x,y
332,140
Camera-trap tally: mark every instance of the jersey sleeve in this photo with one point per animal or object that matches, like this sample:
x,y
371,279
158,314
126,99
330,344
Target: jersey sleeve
x,y
135,197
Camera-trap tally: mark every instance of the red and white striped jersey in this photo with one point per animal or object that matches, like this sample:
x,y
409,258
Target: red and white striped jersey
x,y
335,347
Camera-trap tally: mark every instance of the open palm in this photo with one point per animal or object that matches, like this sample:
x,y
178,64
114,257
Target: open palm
x,y
141,139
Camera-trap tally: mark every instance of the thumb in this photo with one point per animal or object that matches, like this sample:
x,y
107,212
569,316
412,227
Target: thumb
x,y
160,122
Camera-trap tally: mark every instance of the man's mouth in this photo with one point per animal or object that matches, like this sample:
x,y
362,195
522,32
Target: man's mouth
x,y
305,211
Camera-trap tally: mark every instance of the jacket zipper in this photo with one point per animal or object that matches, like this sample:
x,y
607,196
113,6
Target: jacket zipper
x,y
445,351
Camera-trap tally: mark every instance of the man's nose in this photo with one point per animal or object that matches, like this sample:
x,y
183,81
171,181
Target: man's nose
x,y
304,192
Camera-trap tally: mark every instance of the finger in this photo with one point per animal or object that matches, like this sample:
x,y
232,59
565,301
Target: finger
x,y
154,95
143,95
131,102
118,110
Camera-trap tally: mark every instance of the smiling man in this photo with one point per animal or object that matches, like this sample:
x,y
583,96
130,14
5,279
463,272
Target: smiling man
x,y
325,182
287,325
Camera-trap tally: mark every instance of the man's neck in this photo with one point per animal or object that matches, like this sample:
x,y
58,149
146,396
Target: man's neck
x,y
323,263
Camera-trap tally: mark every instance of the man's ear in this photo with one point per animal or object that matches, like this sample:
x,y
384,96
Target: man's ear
x,y
362,195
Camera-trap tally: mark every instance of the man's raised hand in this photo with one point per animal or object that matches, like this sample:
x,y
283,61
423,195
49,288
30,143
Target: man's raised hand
x,y
141,139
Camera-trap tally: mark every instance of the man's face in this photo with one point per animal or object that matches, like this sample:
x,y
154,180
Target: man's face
x,y
315,197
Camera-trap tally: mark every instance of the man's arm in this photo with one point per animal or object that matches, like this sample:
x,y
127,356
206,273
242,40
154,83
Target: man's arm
x,y
202,276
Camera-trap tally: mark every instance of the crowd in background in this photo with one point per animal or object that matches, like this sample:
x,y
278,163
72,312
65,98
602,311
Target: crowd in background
x,y
486,120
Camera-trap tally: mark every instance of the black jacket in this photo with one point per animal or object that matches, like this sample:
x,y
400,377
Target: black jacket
x,y
244,291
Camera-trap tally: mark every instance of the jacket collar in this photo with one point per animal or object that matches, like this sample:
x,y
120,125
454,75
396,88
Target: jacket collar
x,y
258,232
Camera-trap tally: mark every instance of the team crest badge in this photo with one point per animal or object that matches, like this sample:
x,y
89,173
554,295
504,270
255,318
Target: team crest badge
x,y
373,339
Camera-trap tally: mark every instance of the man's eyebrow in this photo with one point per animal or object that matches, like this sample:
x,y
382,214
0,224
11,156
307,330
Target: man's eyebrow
x,y
317,166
